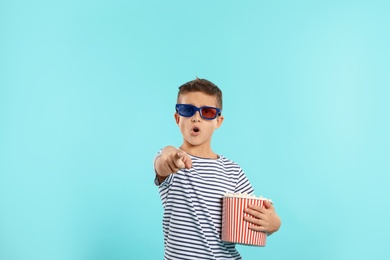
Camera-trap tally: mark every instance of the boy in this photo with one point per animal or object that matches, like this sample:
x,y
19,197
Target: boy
x,y
193,179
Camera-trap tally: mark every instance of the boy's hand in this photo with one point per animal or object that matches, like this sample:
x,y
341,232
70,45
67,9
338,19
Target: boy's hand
x,y
170,161
264,219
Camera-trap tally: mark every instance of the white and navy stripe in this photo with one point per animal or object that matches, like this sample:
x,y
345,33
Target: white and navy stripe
x,y
192,201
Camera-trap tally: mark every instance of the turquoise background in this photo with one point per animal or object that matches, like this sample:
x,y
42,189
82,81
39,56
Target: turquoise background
x,y
87,94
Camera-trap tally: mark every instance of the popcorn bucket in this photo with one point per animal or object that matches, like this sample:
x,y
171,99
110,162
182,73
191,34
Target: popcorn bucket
x,y
234,228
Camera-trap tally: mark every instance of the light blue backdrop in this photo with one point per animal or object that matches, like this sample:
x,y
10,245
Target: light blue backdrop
x,y
87,91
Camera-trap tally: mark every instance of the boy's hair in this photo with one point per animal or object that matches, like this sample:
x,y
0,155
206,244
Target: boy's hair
x,y
204,86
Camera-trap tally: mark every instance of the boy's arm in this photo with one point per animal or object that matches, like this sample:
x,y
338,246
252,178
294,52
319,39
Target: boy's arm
x,y
264,219
171,160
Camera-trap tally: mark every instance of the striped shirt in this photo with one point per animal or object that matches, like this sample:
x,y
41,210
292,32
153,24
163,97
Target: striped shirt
x,y
192,201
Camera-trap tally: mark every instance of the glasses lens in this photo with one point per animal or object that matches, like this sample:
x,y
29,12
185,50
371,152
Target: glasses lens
x,y
186,110
209,112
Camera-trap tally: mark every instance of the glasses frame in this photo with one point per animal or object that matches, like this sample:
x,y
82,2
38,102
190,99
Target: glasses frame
x,y
196,109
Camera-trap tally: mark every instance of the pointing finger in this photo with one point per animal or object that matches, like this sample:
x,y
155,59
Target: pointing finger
x,y
187,161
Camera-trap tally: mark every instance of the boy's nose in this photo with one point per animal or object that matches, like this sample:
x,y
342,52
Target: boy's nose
x,y
196,117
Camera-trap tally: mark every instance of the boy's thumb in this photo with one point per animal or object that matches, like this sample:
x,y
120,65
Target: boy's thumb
x,y
268,204
179,160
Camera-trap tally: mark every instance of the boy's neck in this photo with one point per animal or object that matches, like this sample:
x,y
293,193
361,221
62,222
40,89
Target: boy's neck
x,y
198,151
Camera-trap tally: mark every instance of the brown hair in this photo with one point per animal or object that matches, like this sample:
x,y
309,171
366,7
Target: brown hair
x,y
204,86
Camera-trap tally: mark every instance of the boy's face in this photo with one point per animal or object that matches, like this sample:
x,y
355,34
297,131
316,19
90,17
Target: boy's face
x,y
197,131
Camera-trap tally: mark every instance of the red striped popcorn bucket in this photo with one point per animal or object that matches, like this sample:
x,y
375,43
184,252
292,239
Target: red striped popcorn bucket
x,y
234,228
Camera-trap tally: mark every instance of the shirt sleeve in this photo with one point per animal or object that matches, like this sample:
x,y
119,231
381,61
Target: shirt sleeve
x,y
243,185
166,182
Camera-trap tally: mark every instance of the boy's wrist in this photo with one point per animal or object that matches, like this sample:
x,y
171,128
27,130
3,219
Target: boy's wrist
x,y
157,168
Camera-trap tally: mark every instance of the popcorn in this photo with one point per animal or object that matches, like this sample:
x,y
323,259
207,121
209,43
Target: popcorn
x,y
234,228
245,195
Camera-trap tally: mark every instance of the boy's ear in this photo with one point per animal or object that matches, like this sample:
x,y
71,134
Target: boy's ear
x,y
219,121
177,118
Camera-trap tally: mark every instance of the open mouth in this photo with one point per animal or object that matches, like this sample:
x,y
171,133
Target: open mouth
x,y
195,129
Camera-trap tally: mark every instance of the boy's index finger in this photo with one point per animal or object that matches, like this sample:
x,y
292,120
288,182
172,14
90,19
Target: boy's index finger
x,y
183,156
187,161
178,162
256,208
